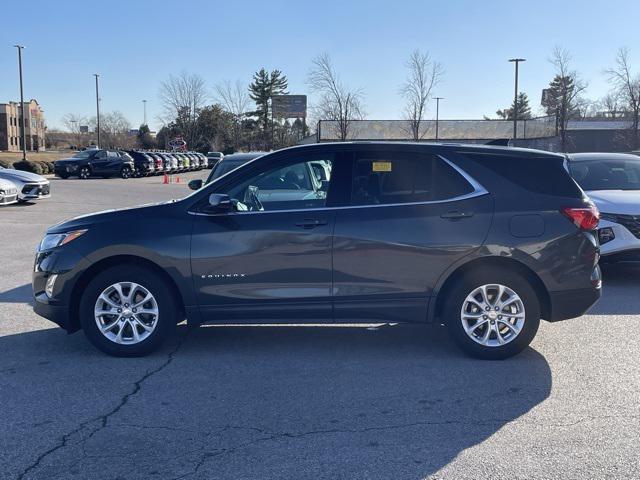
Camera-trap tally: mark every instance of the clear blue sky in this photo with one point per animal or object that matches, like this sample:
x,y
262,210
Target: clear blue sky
x,y
136,44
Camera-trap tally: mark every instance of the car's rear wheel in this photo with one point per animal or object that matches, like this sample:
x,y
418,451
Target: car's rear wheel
x,y
127,311
84,173
125,172
492,313
64,176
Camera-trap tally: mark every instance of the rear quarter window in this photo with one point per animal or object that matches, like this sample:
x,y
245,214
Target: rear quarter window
x,y
543,175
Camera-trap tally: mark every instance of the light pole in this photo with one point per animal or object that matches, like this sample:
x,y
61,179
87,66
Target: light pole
x,y
144,105
97,107
438,113
515,97
24,117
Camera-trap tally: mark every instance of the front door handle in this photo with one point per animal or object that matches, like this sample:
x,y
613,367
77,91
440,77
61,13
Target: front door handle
x,y
311,223
456,215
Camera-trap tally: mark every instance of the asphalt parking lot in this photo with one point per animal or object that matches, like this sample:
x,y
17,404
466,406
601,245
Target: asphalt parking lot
x,y
281,402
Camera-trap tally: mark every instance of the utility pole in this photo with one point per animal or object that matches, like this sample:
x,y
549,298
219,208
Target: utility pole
x,y
144,103
438,113
97,107
515,97
24,117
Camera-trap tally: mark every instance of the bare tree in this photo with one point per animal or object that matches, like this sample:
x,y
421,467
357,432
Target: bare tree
x,y
424,74
611,105
337,102
114,130
72,123
565,90
627,86
182,98
234,99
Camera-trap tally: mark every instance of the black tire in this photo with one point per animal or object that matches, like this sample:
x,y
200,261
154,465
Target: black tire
x,y
167,310
64,176
455,299
84,173
125,172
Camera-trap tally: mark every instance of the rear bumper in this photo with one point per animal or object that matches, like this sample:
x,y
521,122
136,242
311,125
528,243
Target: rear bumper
x,y
575,303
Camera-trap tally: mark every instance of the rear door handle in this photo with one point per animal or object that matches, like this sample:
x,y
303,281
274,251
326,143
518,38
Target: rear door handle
x,y
311,223
456,215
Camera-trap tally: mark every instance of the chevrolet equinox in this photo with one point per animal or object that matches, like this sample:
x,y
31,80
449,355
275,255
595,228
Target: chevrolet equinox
x,y
486,240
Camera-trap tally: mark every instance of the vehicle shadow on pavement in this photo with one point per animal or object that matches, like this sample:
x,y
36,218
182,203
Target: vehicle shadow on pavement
x,y
616,278
258,402
21,294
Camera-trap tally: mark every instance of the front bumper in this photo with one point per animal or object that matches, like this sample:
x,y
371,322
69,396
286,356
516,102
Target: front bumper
x,y
67,265
624,241
58,314
35,191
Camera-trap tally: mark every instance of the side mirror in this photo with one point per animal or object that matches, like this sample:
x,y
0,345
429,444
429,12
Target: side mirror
x,y
219,203
195,184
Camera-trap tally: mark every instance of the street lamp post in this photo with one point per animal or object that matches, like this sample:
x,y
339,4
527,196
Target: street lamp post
x,y
24,117
515,97
97,107
144,105
438,113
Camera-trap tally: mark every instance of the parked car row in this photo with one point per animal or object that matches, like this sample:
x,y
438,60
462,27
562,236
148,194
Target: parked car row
x,y
21,186
133,163
157,163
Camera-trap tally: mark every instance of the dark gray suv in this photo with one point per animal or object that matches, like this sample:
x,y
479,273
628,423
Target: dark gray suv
x,y
486,240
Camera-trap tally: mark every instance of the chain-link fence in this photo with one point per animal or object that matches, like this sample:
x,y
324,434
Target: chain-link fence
x,y
447,130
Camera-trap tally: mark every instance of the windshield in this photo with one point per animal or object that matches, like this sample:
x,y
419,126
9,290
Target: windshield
x,y
85,154
221,169
607,174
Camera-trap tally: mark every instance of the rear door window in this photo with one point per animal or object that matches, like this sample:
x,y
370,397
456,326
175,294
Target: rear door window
x,y
392,178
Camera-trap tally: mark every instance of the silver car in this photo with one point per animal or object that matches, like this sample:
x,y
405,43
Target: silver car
x,y
8,192
30,185
612,182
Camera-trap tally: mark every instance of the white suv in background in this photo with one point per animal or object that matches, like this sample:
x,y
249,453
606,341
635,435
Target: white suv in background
x,y
612,181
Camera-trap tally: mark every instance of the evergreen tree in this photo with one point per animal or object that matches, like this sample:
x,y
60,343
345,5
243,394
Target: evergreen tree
x,y
524,109
144,137
263,87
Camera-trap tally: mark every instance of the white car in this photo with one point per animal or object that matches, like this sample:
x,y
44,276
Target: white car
x,y
612,181
8,192
30,185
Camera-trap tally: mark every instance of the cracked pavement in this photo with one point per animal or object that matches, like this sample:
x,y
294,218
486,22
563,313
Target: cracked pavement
x,y
283,402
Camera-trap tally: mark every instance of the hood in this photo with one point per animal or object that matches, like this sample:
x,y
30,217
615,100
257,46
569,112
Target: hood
x,y
9,174
6,184
114,214
625,202
69,160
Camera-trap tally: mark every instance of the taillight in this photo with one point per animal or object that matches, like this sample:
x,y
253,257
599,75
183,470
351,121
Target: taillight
x,y
585,218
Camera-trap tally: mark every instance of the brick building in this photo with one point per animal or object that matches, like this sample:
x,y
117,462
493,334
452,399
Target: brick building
x,y
11,126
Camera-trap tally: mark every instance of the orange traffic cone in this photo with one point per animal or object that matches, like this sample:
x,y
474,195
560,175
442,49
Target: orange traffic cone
x,y
177,179
165,180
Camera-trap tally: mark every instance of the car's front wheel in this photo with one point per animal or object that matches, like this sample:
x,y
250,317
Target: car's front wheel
x,y
84,173
127,311
492,313
125,172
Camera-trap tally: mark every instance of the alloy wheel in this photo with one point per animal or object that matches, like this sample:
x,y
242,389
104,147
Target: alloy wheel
x,y
84,173
126,313
492,315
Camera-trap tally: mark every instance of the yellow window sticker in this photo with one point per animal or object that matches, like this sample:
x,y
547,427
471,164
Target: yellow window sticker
x,y
381,166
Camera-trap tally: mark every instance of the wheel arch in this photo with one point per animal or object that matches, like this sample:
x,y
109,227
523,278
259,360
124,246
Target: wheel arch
x,y
112,261
507,263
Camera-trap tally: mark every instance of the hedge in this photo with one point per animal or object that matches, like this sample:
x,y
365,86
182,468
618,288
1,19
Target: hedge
x,y
33,167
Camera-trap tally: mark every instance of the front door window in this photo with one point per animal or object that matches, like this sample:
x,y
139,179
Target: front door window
x,y
295,186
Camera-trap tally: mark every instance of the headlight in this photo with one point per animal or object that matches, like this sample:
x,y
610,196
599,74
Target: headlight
x,y
56,239
71,168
